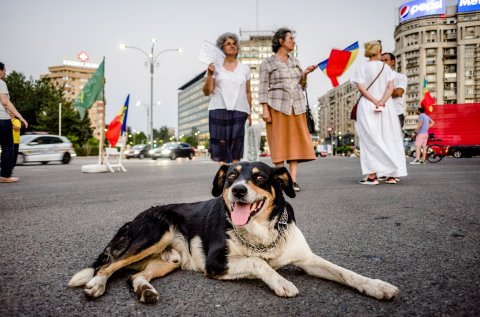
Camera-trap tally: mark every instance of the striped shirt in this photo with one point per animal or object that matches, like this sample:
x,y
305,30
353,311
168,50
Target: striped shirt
x,y
280,85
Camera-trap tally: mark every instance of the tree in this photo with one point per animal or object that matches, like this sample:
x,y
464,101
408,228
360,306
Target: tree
x,y
38,103
163,136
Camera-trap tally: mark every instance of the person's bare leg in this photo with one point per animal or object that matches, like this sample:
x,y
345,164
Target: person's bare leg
x,y
424,152
417,152
293,170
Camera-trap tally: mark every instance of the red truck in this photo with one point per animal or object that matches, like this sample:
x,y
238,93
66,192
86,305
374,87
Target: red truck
x,y
457,128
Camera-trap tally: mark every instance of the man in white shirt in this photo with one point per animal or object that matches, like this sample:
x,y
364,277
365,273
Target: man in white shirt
x,y
400,86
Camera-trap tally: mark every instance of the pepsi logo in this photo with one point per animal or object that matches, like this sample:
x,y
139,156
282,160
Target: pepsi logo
x,y
404,11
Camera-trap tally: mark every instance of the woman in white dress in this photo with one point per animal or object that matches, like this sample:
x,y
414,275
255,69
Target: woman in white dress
x,y
377,125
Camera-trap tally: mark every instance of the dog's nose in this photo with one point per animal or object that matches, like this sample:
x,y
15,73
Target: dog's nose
x,y
239,191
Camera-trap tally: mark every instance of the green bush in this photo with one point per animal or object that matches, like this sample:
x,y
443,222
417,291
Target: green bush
x,y
86,150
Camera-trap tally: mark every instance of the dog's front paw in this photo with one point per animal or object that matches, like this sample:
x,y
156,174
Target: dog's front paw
x,y
147,294
380,289
95,287
285,288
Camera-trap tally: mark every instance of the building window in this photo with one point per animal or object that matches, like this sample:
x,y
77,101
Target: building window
x,y
469,32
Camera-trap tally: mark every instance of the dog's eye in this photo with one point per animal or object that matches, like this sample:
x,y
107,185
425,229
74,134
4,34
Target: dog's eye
x,y
232,177
259,178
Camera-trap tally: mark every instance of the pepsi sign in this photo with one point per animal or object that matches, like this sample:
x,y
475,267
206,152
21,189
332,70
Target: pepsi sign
x,y
468,5
420,8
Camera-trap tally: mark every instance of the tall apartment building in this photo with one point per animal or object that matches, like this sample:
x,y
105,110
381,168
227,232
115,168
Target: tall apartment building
x,y
73,76
444,49
334,110
193,108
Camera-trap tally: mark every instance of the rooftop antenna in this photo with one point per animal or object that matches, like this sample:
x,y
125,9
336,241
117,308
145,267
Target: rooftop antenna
x,y
257,15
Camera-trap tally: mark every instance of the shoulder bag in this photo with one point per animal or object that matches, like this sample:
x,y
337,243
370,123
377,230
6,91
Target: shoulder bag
x,y
353,113
310,120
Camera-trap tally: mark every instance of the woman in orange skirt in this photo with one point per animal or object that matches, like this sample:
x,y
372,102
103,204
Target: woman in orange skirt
x,y
282,81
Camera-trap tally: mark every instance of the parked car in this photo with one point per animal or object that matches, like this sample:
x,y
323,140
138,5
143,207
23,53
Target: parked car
x,y
173,150
44,148
463,151
138,151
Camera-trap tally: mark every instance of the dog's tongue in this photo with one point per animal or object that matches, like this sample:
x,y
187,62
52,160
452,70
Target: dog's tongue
x,y
240,214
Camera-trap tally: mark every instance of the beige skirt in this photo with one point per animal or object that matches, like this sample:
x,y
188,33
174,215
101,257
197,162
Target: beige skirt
x,y
288,138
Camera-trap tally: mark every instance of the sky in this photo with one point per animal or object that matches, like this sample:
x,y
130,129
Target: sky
x,y
38,34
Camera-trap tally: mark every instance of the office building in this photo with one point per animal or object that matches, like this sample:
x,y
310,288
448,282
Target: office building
x,y
193,109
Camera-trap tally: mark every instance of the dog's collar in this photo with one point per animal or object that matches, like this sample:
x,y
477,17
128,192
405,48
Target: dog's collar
x,y
282,227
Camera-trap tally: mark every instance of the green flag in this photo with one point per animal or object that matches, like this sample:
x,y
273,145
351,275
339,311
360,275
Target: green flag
x,y
92,91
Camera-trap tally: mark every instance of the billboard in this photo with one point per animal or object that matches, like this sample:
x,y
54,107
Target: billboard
x,y
420,8
468,6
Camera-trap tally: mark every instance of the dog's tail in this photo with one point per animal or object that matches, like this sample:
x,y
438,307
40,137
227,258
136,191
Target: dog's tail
x,y
81,278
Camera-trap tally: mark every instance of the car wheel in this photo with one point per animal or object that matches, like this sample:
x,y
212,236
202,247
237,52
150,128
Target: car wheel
x,y
66,158
173,156
457,154
20,159
45,162
190,156
154,158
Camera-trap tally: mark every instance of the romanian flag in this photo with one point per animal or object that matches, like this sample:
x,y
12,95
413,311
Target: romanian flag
x,y
338,62
118,125
428,101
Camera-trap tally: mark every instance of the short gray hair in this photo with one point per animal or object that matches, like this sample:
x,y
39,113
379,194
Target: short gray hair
x,y
224,37
280,34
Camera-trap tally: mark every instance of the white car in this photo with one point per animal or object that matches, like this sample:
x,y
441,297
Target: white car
x,y
44,148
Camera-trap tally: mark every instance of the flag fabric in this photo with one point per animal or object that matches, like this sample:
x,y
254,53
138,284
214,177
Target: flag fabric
x,y
338,62
118,125
428,101
92,91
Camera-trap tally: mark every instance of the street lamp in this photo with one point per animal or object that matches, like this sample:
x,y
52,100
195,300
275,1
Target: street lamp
x,y
147,109
152,61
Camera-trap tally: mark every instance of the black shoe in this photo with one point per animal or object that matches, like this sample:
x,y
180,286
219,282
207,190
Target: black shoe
x,y
296,187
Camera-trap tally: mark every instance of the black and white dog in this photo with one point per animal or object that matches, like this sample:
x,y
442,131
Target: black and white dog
x,y
248,231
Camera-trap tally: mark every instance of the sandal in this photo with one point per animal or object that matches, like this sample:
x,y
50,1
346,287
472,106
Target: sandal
x,y
391,180
369,181
9,179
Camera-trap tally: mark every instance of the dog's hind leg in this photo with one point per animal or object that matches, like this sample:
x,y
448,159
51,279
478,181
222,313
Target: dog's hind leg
x,y
252,267
319,267
139,282
96,286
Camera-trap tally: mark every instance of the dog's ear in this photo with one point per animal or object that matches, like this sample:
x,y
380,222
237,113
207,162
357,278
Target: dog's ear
x,y
283,178
219,180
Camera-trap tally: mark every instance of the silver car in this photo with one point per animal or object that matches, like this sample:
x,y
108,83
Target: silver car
x,y
44,148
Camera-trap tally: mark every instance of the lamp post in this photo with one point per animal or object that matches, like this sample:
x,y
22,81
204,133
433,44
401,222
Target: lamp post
x,y
152,61
147,109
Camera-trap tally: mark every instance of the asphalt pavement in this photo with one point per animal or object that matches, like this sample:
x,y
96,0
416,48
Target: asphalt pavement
x,y
422,235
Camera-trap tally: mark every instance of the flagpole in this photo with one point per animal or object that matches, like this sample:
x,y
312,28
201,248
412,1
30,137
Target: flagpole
x,y
98,168
100,146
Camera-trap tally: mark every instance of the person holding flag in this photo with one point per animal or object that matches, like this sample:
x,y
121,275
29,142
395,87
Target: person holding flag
x,y
282,81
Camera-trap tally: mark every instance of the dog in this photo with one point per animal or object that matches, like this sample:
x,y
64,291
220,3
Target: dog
x,y
247,231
